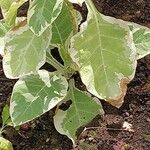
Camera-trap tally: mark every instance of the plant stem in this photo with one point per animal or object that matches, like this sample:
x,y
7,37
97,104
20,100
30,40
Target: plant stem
x,y
65,55
71,84
1,130
91,5
54,62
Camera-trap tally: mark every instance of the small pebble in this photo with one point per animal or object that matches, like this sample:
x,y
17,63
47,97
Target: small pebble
x,y
127,114
47,140
148,119
90,138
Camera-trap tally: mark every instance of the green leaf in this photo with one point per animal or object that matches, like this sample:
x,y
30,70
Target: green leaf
x,y
10,13
5,144
5,115
5,5
3,31
36,94
25,52
141,38
3,28
83,109
41,14
105,55
63,26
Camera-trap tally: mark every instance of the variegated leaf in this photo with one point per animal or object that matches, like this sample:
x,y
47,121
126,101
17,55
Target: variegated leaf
x,y
105,54
36,94
42,13
10,13
3,31
5,5
141,38
25,52
63,28
83,109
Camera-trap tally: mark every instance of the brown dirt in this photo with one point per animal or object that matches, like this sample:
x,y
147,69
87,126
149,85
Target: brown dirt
x,y
137,11
103,132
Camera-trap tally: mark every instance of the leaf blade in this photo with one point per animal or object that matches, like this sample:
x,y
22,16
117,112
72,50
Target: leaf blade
x,y
3,31
63,26
27,56
35,94
107,59
82,110
141,38
41,14
6,115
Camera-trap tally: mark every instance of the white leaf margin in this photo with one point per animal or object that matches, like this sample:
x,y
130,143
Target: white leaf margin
x,y
61,115
77,1
31,12
2,45
133,57
42,74
7,55
137,27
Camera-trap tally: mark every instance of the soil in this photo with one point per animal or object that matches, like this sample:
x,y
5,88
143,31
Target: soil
x,y
104,132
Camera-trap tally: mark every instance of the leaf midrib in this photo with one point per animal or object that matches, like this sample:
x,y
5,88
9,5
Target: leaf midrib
x,y
99,37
